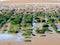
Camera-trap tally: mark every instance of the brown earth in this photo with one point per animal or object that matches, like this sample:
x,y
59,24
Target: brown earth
x,y
27,1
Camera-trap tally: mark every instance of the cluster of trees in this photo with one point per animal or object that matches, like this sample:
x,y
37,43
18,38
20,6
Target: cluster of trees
x,y
27,32
3,18
27,21
54,17
52,21
44,29
27,18
13,31
40,31
16,19
38,16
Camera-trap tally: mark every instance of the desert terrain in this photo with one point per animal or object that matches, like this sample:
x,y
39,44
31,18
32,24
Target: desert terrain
x,y
36,5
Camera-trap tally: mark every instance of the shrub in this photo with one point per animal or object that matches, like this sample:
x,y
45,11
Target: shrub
x,y
27,40
13,31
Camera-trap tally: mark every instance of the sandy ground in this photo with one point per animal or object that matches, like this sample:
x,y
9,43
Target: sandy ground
x,y
27,1
50,39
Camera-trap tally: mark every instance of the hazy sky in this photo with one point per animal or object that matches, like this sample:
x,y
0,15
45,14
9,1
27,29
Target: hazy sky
x,y
3,0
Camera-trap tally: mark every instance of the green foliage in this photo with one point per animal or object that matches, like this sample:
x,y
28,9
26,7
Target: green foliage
x,y
12,31
0,25
16,19
27,32
42,31
38,16
27,18
27,40
3,18
23,24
